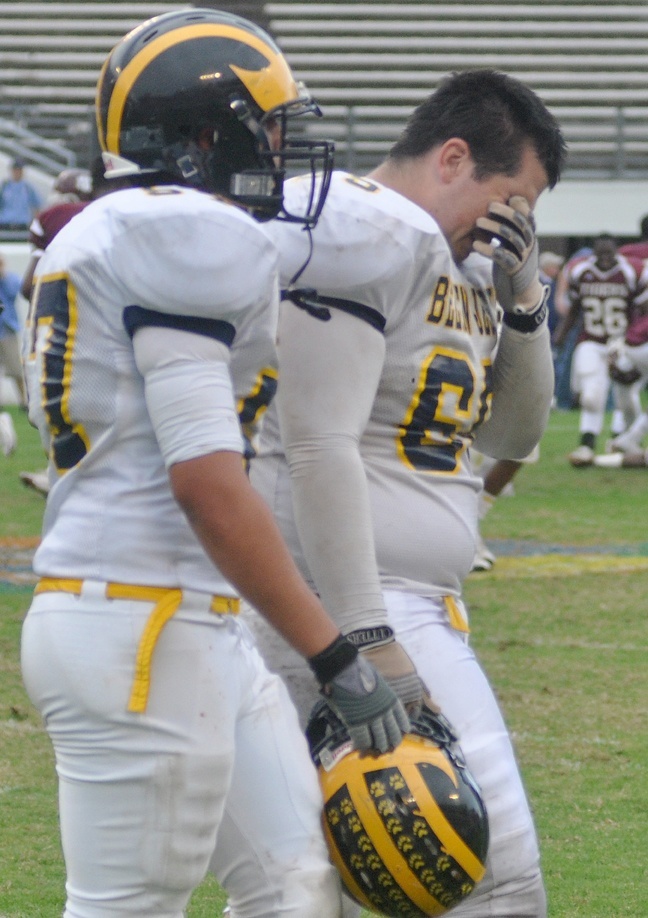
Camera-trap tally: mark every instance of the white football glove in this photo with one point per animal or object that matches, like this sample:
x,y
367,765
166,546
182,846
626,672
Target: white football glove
x,y
513,249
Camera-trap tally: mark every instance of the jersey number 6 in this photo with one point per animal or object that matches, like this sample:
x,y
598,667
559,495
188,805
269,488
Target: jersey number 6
x,y
444,412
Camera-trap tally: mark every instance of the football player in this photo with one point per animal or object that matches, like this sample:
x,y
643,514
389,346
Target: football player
x,y
154,310
604,291
9,351
387,377
497,476
628,366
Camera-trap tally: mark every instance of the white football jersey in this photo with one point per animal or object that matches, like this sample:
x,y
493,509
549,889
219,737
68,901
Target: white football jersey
x,y
208,267
374,248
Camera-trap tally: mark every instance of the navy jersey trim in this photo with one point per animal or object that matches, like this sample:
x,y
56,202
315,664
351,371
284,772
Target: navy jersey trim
x,y
317,305
137,317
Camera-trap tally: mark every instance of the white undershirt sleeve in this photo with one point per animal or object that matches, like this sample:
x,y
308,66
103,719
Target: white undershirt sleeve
x,y
328,376
188,392
523,385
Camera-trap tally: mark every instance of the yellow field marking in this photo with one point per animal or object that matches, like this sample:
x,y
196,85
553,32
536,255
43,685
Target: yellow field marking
x,y
506,567
19,542
567,565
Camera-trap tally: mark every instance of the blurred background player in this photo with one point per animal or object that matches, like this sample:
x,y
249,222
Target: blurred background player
x,y
605,290
638,249
10,365
566,400
497,475
72,190
628,366
550,265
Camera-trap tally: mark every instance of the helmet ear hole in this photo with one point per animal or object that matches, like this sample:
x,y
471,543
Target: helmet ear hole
x,y
408,830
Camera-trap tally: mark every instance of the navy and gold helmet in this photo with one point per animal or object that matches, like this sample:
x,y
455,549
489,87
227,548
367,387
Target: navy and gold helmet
x,y
407,830
202,98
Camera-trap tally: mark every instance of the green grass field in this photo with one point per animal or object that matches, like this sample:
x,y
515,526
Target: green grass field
x,y
560,624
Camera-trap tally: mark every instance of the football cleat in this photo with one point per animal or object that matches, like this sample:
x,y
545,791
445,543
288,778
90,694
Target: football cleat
x,y
629,460
582,456
484,558
622,444
609,461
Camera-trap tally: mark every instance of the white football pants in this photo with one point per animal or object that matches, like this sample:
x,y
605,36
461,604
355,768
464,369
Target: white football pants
x,y
590,380
513,886
215,773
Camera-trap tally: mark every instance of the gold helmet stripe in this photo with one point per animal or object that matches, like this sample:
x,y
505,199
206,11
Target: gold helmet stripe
x,y
384,845
451,841
405,759
267,93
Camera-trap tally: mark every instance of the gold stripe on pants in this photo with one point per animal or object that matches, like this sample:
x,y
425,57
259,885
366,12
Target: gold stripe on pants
x,y
167,601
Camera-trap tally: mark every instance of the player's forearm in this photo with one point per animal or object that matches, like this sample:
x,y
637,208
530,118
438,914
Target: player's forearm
x,y
238,533
328,381
523,385
333,517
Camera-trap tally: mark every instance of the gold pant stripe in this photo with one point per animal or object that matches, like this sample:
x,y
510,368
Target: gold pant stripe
x,y
51,585
163,611
220,605
457,620
166,602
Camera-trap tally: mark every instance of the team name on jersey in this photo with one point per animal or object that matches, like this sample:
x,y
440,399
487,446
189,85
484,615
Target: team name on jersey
x,y
602,289
464,308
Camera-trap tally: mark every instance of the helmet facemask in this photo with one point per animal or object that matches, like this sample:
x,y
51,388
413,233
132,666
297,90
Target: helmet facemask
x,y
259,188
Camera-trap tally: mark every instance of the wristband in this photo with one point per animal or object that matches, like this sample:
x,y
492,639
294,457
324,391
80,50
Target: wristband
x,y
530,321
371,637
329,663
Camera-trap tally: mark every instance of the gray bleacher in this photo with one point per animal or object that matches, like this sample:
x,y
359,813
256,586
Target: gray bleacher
x,y
370,63
50,57
367,63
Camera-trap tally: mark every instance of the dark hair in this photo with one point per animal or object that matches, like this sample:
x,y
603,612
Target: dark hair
x,y
605,237
644,227
497,116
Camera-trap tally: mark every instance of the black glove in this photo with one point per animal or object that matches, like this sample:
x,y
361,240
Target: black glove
x,y
513,248
379,646
372,712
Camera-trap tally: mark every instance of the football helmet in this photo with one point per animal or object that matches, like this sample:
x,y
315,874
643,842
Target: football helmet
x,y
407,830
203,98
74,185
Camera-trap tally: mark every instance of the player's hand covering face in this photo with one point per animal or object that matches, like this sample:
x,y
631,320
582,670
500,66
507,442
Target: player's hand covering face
x,y
507,236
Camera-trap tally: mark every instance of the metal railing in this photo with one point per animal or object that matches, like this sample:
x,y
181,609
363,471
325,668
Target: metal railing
x,y
604,142
48,155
